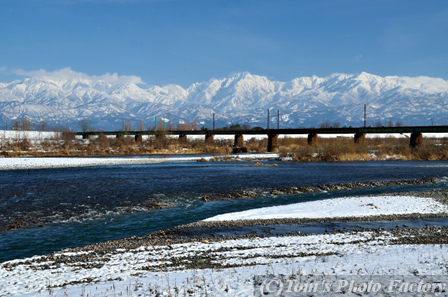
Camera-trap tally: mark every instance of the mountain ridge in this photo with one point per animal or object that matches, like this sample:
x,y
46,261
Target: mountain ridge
x,y
242,98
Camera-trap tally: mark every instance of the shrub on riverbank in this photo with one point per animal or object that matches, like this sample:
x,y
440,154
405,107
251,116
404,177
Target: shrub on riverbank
x,y
297,149
344,149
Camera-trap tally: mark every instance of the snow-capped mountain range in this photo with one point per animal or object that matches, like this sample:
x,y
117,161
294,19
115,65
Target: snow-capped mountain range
x,y
243,98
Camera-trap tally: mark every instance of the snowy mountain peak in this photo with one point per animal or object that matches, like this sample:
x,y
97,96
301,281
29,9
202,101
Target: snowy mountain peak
x,y
240,98
241,75
366,77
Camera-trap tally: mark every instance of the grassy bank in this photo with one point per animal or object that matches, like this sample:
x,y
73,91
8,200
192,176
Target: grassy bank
x,y
66,144
296,149
344,149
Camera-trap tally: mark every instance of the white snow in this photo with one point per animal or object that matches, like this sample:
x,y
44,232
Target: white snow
x,y
305,101
340,207
33,163
159,270
127,274
31,135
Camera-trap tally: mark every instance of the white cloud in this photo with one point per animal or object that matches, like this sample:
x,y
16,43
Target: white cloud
x,y
68,73
2,69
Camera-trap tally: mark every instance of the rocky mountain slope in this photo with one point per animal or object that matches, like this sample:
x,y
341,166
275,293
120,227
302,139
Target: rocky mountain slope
x,y
243,98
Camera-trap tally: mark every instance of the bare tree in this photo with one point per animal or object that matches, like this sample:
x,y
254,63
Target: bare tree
x,y
181,126
336,125
42,125
194,125
127,126
141,126
378,124
187,126
389,123
325,125
22,124
84,125
160,126
398,124
16,125
27,125
170,126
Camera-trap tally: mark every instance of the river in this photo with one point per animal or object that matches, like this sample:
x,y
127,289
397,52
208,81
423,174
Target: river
x,y
72,207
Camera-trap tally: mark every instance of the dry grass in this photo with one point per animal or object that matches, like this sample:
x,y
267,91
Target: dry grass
x,y
355,157
339,149
344,149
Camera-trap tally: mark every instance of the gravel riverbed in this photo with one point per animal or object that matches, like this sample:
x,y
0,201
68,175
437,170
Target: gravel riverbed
x,y
213,231
201,248
231,253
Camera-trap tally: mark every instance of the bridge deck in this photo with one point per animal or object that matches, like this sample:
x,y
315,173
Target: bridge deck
x,y
375,130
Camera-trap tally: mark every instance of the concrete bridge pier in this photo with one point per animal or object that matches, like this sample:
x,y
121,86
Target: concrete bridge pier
x,y
239,140
272,143
416,139
360,137
138,138
182,138
209,138
313,139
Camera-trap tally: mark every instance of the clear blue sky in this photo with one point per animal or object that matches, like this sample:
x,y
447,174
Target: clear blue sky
x,y
188,41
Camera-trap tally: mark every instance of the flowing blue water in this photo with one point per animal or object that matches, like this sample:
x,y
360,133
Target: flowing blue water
x,y
80,206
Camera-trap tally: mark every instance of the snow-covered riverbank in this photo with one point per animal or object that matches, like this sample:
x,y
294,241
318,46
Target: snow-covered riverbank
x,y
341,207
148,271
227,267
35,163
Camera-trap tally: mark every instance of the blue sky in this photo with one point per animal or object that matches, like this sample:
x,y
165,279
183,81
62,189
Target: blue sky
x,y
186,41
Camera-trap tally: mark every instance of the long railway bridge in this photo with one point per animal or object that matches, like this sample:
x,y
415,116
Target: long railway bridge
x,y
416,134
